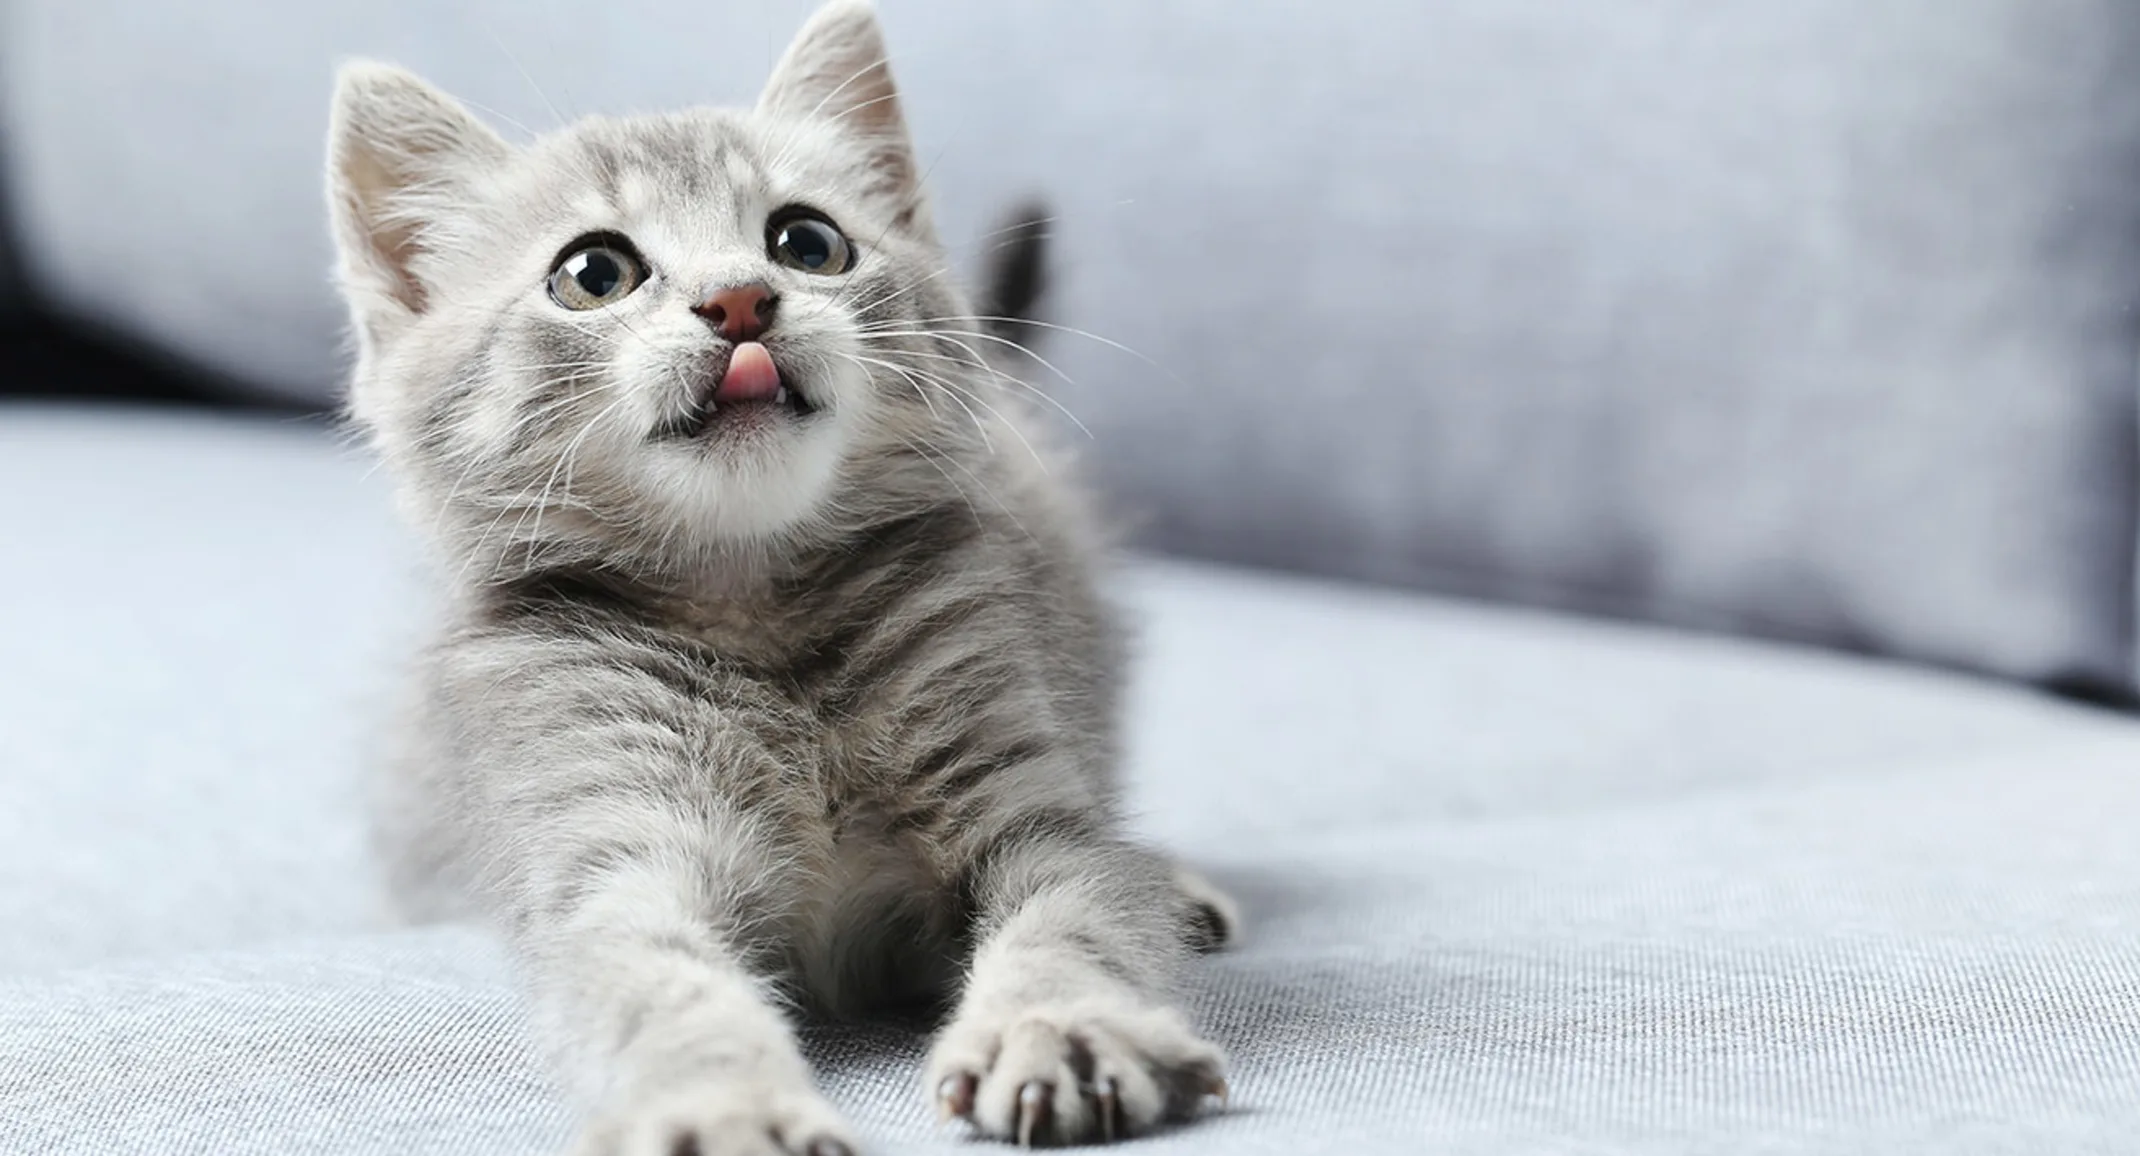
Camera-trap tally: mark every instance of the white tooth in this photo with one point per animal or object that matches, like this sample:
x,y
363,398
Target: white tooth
x,y
781,398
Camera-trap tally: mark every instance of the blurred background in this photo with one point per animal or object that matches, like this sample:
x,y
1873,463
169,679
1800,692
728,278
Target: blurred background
x,y
1812,321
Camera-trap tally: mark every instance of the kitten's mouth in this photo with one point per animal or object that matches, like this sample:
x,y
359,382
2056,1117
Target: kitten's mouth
x,y
743,390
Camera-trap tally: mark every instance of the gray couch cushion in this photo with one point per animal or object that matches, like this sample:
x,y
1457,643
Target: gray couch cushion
x,y
1515,883
11,299
10,280
1806,319
1933,957
198,617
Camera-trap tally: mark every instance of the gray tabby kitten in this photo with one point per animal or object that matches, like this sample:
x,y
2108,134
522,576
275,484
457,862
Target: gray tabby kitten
x,y
775,676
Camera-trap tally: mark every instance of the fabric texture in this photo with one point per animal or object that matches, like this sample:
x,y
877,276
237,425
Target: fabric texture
x,y
1514,883
1812,320
201,619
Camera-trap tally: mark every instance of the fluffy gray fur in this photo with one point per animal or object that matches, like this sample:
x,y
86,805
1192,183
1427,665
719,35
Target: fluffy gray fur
x,y
812,712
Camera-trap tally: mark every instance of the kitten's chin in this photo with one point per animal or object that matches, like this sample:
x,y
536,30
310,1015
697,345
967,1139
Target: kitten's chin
x,y
755,475
754,463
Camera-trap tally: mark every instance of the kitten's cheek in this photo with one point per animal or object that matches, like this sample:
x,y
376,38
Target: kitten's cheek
x,y
847,389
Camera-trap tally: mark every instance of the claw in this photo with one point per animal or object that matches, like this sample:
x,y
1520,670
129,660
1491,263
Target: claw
x,y
1032,1105
954,1097
1105,1094
1218,1088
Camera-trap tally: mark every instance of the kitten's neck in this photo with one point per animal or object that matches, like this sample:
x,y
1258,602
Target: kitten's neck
x,y
753,603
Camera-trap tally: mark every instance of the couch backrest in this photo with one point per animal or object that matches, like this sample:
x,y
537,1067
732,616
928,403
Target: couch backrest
x,y
10,271
1814,320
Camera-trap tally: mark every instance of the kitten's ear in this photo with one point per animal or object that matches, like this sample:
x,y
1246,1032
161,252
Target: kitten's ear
x,y
403,159
836,72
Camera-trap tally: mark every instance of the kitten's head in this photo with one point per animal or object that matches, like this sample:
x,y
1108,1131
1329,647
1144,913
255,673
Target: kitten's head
x,y
648,339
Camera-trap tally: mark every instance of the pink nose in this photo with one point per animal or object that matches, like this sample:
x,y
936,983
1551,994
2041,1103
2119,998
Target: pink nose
x,y
740,312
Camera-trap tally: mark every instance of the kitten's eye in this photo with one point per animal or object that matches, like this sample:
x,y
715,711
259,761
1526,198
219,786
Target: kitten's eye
x,y
596,271
800,239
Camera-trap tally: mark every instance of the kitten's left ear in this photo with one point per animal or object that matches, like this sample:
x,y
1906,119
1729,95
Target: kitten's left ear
x,y
403,163
836,72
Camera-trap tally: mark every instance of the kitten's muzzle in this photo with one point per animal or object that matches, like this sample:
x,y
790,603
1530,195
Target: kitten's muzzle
x,y
735,379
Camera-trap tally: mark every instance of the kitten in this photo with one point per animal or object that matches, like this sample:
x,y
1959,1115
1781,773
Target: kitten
x,y
775,674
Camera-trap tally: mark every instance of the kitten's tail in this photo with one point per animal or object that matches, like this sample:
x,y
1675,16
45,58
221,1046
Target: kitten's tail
x,y
1014,277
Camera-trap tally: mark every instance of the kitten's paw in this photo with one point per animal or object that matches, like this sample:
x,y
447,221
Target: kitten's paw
x,y
1072,1073
1213,918
724,1118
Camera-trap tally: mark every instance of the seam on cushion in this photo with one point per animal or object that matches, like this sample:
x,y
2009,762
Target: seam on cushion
x,y
1692,616
1558,595
1928,766
1563,594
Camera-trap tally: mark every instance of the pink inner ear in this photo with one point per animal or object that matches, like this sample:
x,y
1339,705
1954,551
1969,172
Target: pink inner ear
x,y
751,376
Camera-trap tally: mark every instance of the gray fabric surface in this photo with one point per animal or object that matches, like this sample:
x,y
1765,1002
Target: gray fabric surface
x,y
1514,883
1927,960
199,620
1811,319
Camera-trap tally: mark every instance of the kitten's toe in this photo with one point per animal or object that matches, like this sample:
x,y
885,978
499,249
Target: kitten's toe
x,y
1034,1109
1212,918
954,1095
1107,1106
1093,1071
730,1118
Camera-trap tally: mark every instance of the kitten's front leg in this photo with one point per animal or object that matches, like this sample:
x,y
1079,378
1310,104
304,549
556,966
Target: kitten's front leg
x,y
1067,1031
633,910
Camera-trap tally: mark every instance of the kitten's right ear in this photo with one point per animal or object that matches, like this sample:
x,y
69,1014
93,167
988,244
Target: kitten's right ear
x,y
403,160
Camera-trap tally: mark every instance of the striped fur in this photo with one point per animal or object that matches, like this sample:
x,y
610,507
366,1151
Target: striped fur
x,y
812,715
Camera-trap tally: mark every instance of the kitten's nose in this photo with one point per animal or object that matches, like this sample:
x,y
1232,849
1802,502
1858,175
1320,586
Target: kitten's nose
x,y
740,312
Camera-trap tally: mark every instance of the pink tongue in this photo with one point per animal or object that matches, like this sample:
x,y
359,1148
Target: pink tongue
x,y
750,377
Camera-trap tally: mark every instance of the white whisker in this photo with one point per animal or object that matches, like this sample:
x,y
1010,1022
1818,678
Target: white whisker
x,y
997,374
1052,328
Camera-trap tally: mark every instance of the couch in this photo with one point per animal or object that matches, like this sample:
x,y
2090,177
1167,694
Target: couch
x,y
1633,513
